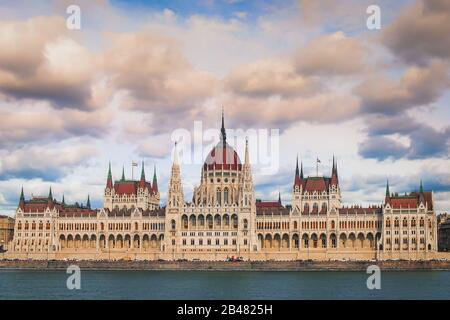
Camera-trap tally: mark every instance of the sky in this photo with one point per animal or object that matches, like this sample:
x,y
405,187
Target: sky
x,y
309,73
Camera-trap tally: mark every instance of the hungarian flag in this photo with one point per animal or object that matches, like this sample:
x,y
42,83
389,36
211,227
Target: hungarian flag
x,y
134,164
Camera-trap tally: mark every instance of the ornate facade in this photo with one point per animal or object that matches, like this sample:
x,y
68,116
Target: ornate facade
x,y
225,220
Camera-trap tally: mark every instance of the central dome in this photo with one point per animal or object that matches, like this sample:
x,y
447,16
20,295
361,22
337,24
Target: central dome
x,y
222,156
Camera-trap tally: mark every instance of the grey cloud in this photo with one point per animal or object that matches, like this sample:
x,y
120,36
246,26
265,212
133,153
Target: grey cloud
x,y
421,33
382,148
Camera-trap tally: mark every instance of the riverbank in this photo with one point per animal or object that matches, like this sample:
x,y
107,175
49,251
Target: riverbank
x,y
394,265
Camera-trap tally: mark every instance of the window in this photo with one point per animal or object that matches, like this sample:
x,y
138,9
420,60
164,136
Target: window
x,y
173,224
225,195
218,196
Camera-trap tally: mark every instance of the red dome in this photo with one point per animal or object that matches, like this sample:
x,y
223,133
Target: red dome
x,y
222,157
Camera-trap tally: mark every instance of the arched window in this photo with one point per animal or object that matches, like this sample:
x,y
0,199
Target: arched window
x,y
396,223
219,196
324,207
422,222
332,224
225,195
245,223
173,224
405,222
315,207
306,207
388,223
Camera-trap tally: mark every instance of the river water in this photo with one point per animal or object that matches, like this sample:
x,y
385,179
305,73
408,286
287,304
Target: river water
x,y
33,284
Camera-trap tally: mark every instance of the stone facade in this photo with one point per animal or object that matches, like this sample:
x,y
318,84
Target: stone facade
x,y
225,220
444,232
6,231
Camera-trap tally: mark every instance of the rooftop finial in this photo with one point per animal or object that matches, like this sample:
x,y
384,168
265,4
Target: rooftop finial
x,y
223,136
387,188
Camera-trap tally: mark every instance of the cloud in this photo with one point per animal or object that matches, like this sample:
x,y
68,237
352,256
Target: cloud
x,y
49,162
382,148
424,141
40,61
282,113
417,87
42,124
268,77
153,70
333,54
420,33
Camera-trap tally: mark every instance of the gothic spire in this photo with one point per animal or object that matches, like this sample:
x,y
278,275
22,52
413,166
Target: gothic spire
x,y
22,200
50,195
279,198
175,155
223,136
155,180
88,203
301,170
63,201
123,173
421,186
247,158
142,171
297,179
387,189
109,183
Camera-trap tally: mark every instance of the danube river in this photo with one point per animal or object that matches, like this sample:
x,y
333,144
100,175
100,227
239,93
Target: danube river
x,y
32,284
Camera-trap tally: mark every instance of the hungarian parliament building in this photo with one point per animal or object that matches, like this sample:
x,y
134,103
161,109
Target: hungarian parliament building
x,y
225,220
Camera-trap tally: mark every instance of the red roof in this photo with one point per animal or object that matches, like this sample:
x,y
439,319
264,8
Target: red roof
x,y
268,204
318,184
125,187
222,157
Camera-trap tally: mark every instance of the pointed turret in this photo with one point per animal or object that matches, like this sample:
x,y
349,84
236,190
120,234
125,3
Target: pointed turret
x,y
334,173
63,201
88,203
279,198
50,198
109,182
155,181
297,179
22,200
301,171
247,157
142,181
223,134
421,196
175,197
123,173
388,196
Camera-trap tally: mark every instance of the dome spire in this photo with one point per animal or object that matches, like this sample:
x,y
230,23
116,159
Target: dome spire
x,y
223,136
